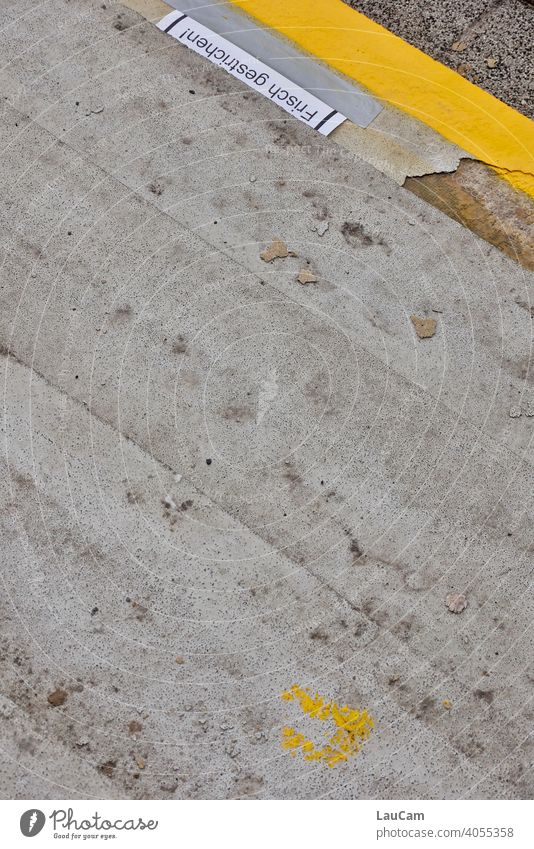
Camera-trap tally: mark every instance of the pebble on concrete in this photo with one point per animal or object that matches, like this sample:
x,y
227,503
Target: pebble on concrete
x,y
58,697
456,602
277,250
306,276
320,228
424,327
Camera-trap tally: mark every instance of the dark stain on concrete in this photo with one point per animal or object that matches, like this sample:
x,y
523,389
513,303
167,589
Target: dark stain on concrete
x,y
319,634
355,549
24,481
108,768
357,237
403,629
236,413
180,346
425,707
123,313
485,695
291,475
286,134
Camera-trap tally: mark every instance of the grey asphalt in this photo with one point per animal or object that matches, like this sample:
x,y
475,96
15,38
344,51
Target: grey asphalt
x,y
487,41
155,605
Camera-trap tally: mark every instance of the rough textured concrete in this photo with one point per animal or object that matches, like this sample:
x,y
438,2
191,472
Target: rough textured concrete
x,y
358,474
487,41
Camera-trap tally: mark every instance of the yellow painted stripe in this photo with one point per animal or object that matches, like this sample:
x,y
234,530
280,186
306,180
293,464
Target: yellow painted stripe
x,y
402,75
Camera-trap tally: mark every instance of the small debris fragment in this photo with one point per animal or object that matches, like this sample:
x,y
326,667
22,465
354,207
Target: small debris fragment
x,y
231,750
424,327
140,609
277,250
169,787
169,503
464,69
180,659
252,179
491,62
208,461
320,228
305,276
447,704
7,708
58,697
139,761
177,478
456,602
459,46
515,412
135,727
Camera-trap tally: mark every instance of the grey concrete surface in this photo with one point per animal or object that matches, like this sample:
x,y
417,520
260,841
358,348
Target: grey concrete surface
x,y
358,474
487,41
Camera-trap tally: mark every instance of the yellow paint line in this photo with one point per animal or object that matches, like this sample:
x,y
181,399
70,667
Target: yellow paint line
x,y
394,71
350,728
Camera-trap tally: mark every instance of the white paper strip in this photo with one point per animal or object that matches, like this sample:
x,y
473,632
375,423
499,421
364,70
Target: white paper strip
x,y
254,73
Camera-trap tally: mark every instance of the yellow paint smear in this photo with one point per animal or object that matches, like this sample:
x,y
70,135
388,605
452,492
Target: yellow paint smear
x,y
352,728
395,72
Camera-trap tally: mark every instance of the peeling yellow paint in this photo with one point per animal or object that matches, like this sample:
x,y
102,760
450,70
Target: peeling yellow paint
x,y
402,75
353,728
